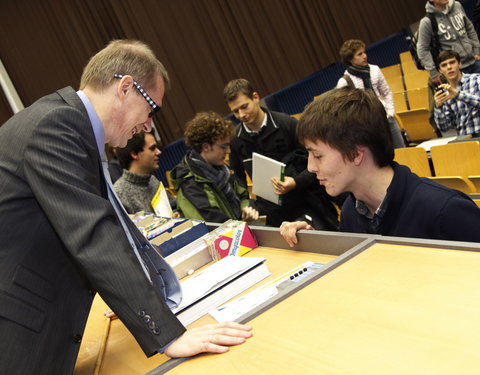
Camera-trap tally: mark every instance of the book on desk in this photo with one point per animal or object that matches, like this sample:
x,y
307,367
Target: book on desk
x,y
217,284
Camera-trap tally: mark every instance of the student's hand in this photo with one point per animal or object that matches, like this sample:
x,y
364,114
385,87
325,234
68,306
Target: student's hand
x,y
441,96
249,213
283,187
288,230
477,57
452,91
212,338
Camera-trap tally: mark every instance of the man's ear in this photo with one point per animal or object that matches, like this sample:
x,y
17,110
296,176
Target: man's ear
x,y
359,155
133,155
126,82
256,96
206,146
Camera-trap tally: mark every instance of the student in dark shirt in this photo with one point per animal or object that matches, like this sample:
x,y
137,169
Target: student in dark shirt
x,y
350,150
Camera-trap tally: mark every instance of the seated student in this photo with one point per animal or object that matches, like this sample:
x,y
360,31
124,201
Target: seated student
x,y
206,190
362,75
457,102
350,150
137,186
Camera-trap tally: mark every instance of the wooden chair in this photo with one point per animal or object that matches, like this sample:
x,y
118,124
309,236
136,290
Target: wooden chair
x,y
395,83
400,102
249,186
170,188
416,124
297,115
476,182
414,158
416,80
455,182
418,98
407,63
456,159
392,71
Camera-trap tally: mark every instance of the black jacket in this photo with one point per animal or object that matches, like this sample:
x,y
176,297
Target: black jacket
x,y
419,208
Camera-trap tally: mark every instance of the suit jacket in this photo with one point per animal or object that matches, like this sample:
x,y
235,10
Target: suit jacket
x,y
60,240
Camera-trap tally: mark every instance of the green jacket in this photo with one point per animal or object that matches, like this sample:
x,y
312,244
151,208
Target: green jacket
x,y
199,198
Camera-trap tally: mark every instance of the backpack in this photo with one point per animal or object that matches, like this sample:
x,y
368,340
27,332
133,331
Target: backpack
x,y
435,47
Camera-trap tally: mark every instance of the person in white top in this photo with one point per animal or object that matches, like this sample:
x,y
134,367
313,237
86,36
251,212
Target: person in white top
x,y
362,75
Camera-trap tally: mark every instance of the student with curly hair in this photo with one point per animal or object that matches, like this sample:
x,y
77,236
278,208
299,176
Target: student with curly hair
x,y
206,189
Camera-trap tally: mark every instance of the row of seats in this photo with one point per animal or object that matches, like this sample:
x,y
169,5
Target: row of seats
x,y
456,165
405,76
411,97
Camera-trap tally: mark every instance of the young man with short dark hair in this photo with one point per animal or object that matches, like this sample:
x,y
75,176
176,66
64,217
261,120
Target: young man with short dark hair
x,y
457,103
273,134
137,186
350,150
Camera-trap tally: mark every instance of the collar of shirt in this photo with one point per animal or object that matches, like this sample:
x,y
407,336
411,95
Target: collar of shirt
x,y
264,123
376,218
95,121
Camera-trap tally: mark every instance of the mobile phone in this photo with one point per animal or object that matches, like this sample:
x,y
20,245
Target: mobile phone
x,y
441,89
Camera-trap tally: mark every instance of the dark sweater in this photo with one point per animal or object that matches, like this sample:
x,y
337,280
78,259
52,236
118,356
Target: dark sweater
x,y
420,208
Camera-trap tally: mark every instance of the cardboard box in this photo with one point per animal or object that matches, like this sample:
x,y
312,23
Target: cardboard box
x,y
231,238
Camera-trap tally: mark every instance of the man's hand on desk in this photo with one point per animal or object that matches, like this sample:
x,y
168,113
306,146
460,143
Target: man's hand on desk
x,y
212,338
289,230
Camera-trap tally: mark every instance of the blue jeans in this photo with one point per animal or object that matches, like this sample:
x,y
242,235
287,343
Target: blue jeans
x,y
396,133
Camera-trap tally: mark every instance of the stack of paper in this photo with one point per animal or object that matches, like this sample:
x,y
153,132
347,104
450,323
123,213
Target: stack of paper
x,y
217,284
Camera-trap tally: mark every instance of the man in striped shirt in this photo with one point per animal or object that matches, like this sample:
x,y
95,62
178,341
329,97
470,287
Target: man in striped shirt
x,y
457,102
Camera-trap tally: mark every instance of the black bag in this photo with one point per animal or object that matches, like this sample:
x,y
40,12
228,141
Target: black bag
x,y
435,47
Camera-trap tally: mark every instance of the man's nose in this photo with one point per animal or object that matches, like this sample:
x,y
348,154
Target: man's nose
x,y
310,164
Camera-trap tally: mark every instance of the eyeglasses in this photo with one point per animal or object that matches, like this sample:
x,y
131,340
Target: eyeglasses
x,y
223,146
155,107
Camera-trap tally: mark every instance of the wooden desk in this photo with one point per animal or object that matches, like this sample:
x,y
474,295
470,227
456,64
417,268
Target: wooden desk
x,y
383,305
122,354
391,309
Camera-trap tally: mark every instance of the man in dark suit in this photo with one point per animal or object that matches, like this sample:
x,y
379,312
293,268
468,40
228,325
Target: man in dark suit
x,y
61,238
